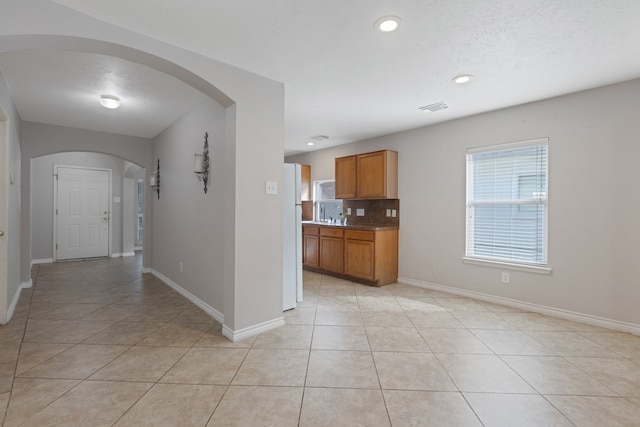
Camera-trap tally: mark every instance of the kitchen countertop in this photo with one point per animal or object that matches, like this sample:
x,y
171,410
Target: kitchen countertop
x,y
370,227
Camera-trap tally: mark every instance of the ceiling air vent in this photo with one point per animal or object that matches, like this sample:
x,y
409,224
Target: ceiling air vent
x,y
432,108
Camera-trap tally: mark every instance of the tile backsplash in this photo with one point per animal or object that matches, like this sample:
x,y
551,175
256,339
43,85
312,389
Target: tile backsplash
x,y
375,211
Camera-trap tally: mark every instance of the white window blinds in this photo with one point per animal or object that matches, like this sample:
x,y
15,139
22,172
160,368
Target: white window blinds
x,y
507,202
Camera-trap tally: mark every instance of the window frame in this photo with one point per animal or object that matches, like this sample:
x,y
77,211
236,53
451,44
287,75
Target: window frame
x,y
510,263
317,202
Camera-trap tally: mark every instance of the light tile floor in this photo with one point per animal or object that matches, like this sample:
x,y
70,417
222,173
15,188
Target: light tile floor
x,y
97,343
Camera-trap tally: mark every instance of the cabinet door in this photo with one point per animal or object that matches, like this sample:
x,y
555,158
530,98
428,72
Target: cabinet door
x,y
345,174
331,253
359,258
305,188
371,175
310,250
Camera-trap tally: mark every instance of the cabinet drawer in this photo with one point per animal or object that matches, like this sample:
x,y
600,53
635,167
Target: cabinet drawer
x,y
332,232
310,229
360,235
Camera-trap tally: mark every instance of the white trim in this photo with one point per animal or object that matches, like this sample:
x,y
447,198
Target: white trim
x,y
12,307
137,248
540,269
147,270
122,254
42,261
253,330
508,146
188,295
588,319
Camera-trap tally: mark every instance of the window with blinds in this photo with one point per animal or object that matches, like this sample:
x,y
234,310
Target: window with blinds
x,y
507,202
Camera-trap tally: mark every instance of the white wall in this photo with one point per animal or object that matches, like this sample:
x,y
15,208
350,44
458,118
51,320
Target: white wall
x,y
594,200
189,224
42,202
12,228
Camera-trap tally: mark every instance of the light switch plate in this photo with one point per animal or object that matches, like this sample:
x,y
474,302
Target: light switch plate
x,y
348,211
116,199
393,213
359,212
388,212
271,188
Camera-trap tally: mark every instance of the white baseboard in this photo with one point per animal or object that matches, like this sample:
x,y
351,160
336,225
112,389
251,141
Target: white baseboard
x,y
122,254
252,330
14,302
188,295
42,261
147,270
551,311
217,315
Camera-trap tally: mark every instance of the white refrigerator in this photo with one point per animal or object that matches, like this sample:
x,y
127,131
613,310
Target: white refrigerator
x,y
292,237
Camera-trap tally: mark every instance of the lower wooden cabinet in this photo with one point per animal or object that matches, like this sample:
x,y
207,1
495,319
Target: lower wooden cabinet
x,y
332,250
310,251
368,255
359,257
310,245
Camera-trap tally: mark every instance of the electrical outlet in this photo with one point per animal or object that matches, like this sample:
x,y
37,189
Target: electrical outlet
x,y
505,277
181,267
393,213
359,212
348,211
388,212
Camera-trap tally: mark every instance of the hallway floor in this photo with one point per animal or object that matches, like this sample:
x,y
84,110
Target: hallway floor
x,y
96,343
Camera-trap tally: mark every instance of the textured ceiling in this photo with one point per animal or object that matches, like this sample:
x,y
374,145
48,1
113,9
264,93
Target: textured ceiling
x,y
346,80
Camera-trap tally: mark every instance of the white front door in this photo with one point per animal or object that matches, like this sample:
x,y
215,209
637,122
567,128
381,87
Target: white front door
x,y
82,213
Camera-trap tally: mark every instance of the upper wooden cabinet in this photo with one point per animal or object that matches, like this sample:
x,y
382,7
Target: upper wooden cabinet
x,y
345,175
367,176
305,188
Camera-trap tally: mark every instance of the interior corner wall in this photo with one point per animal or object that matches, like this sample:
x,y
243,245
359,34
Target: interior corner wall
x,y
594,201
12,228
188,225
42,202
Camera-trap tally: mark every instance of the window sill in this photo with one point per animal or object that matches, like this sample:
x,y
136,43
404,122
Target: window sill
x,y
540,269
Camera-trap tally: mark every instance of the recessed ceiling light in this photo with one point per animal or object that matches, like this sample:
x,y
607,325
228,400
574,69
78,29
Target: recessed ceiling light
x,y
311,143
388,24
462,79
109,101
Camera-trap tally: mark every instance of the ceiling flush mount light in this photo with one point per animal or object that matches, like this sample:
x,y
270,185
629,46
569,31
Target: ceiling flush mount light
x,y
388,24
462,79
109,101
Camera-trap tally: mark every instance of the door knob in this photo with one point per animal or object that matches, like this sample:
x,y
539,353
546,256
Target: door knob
x,y
1,232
